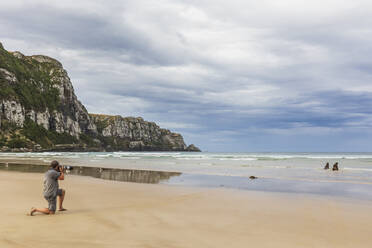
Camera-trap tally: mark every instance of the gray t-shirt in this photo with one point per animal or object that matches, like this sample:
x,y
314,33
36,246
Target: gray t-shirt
x,y
51,183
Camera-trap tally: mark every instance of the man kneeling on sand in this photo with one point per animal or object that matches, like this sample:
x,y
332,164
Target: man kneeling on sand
x,y
51,190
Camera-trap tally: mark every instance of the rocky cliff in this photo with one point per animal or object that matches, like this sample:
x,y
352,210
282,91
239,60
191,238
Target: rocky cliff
x,y
137,134
40,111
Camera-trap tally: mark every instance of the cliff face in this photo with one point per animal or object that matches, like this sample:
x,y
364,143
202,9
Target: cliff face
x,y
137,134
40,111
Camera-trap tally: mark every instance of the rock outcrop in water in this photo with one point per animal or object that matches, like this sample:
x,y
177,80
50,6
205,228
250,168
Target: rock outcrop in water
x,y
40,111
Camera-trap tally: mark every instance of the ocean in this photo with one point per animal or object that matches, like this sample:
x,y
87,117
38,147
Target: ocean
x,y
275,172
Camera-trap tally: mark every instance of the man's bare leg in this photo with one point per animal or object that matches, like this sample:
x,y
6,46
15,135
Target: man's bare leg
x,y
60,200
41,210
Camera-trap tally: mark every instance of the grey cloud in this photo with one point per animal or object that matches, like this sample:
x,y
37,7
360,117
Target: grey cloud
x,y
77,29
236,71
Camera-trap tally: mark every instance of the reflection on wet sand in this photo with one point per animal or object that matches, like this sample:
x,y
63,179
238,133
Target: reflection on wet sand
x,y
125,175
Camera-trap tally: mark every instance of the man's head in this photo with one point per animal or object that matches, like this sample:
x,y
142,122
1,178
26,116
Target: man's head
x,y
54,164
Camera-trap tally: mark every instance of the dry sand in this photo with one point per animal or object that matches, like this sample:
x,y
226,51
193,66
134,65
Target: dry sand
x,y
116,214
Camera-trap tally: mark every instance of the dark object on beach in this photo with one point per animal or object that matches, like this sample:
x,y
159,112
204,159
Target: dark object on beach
x,y
335,167
253,177
326,167
68,167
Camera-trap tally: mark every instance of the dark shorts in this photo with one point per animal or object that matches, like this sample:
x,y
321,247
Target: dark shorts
x,y
52,200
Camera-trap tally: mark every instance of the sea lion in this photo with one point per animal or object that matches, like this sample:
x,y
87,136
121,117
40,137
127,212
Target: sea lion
x,y
335,167
326,167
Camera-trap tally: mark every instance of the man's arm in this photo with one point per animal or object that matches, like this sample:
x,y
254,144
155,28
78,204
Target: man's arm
x,y
62,176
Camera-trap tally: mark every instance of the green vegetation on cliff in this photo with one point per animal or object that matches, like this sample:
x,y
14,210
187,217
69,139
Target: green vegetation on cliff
x,y
45,138
34,87
31,134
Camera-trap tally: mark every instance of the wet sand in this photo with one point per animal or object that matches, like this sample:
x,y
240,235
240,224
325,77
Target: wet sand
x,y
118,214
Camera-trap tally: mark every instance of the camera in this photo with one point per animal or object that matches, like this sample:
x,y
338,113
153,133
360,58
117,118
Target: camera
x,y
65,168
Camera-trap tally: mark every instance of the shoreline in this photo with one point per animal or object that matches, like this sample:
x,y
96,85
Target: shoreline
x,y
112,214
329,188
236,190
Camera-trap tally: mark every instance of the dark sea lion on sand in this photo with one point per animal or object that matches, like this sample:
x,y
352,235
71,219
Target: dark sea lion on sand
x,y
326,167
335,167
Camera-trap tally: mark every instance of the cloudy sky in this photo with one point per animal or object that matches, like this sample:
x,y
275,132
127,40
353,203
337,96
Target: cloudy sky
x,y
268,75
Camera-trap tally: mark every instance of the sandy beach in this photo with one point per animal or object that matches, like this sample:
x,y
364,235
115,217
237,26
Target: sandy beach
x,y
116,214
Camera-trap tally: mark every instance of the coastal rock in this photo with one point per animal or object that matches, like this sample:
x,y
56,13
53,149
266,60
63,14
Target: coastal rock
x,y
137,134
37,147
5,149
45,59
8,76
18,55
42,119
13,111
51,103
192,148
40,111
136,145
